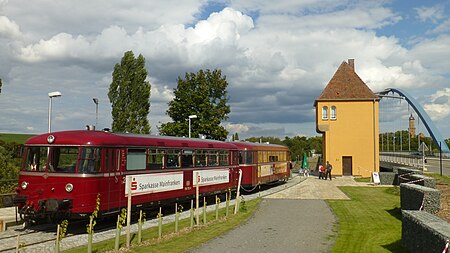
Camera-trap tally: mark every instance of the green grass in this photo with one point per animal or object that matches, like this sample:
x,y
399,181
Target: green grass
x,y
370,222
439,179
363,179
17,138
186,238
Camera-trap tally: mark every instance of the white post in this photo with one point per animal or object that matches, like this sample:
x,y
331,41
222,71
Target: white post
x,y
129,211
50,115
236,206
423,158
197,192
189,127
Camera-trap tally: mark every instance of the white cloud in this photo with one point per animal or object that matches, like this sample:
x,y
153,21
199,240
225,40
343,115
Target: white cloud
x,y
442,28
277,56
438,107
8,28
433,13
236,128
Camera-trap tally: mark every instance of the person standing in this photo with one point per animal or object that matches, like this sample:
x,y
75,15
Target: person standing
x,y
321,171
329,167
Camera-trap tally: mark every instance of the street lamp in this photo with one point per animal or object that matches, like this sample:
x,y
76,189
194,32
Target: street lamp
x,y
51,95
191,117
96,111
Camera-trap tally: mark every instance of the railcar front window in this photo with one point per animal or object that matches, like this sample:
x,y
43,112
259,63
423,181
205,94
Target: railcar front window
x,y
35,159
89,160
63,159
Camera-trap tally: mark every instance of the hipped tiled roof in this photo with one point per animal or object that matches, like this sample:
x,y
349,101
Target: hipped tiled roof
x,y
346,85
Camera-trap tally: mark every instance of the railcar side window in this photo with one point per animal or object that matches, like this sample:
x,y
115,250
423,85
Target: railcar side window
x,y
212,158
90,159
136,159
35,159
63,159
224,158
245,157
187,159
172,158
110,159
200,158
155,160
273,158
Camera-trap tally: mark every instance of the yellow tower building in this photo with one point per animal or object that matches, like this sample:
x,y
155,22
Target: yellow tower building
x,y
347,117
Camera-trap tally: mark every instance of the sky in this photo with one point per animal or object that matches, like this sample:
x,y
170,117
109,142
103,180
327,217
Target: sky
x,y
277,57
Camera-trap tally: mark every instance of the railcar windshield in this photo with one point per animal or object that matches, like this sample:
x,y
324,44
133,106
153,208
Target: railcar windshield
x,y
60,159
63,159
35,159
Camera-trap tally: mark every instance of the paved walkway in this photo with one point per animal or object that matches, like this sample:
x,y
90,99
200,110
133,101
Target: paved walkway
x,y
7,215
296,219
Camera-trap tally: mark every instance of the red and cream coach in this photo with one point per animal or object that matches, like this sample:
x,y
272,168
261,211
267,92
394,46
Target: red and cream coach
x,y
63,172
263,163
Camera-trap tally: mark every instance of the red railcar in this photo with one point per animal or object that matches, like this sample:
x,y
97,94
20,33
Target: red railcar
x,y
263,163
63,172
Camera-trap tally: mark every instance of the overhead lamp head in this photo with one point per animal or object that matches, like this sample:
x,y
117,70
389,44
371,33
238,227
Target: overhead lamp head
x,y
54,94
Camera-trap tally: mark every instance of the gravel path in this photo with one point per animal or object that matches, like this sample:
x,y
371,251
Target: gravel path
x,y
280,225
295,219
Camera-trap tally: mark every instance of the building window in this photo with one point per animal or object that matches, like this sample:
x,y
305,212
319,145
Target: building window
x,y
325,113
333,114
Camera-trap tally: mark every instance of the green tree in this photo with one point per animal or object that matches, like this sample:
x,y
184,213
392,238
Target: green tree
x,y
129,95
203,94
9,166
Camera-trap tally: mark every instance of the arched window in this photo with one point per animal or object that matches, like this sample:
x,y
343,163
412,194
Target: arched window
x,y
333,114
325,113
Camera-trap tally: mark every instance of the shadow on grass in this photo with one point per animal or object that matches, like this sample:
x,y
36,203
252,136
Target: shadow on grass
x,y
395,212
395,247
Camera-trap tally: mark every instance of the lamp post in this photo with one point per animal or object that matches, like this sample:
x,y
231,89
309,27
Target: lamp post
x,y
96,111
51,95
189,118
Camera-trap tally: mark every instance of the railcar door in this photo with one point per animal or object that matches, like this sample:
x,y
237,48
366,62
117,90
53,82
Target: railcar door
x,y
114,179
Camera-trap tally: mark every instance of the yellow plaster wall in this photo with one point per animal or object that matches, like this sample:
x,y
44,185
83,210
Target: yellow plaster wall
x,y
351,134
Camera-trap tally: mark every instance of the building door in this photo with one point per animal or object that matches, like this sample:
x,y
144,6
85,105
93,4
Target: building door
x,y
347,166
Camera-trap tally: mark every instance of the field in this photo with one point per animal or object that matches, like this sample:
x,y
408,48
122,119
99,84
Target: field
x,y
370,222
17,138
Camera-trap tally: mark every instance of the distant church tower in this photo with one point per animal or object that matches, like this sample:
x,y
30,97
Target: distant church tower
x,y
412,126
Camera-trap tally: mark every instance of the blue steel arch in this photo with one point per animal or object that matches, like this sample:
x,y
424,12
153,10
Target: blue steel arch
x,y
434,132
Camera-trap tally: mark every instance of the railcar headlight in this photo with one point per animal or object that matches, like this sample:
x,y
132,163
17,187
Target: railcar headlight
x,y
24,185
69,187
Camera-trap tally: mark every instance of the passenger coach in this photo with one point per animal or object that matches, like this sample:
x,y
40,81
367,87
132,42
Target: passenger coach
x,y
62,172
263,163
